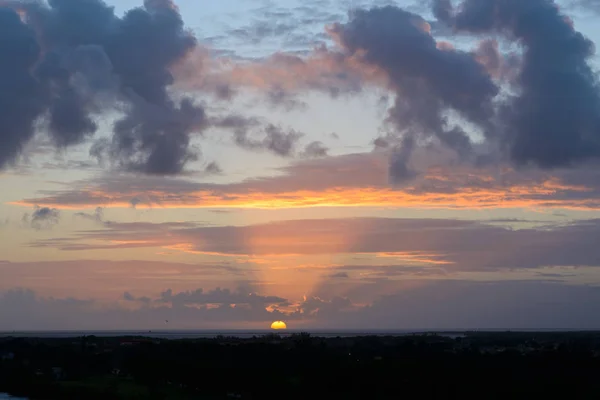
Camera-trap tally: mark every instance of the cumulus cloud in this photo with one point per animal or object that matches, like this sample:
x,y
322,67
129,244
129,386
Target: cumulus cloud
x,y
525,111
554,120
42,218
427,79
73,61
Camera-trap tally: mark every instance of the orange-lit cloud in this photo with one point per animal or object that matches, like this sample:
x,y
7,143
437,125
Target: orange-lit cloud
x,y
442,244
358,180
323,70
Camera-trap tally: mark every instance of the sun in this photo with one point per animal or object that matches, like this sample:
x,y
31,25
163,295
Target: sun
x,y
278,325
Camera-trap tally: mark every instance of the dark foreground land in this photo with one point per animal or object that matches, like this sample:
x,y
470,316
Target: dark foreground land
x,y
476,365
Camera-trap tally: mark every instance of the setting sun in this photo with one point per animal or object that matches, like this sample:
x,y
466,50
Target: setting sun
x,y
278,325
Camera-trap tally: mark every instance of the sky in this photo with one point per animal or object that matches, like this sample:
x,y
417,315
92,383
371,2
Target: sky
x,y
332,164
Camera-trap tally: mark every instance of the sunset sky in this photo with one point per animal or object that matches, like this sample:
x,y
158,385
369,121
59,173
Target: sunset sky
x,y
333,164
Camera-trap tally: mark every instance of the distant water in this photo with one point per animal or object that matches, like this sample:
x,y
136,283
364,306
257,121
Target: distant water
x,y
4,396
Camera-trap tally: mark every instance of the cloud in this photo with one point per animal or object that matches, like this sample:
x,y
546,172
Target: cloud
x,y
399,244
97,216
449,96
258,31
42,218
222,297
213,168
425,305
103,278
273,138
339,275
554,120
315,149
428,79
355,180
85,63
437,305
276,140
283,74
73,62
212,298
22,309
382,272
295,26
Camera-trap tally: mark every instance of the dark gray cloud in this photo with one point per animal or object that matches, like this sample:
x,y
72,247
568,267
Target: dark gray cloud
x,y
74,60
428,79
21,97
254,134
42,218
275,140
213,168
399,170
554,119
315,149
280,142
547,113
339,275
502,67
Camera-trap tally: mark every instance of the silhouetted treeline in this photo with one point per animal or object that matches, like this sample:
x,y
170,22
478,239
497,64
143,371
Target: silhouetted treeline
x,y
476,365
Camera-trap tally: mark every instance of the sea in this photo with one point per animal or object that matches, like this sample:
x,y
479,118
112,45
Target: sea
x,y
4,396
